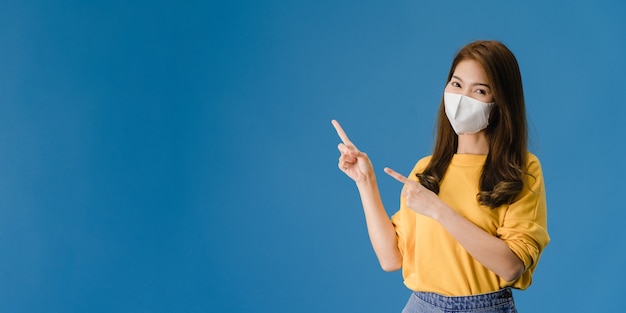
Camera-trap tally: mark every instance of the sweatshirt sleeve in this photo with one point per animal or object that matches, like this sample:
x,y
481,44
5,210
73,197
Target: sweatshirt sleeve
x,y
404,218
524,228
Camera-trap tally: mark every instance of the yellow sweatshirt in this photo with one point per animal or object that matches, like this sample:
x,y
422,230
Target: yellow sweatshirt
x,y
433,261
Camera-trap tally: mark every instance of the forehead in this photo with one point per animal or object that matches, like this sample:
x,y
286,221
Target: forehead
x,y
470,71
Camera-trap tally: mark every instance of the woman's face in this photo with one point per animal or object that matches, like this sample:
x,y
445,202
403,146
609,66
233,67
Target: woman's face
x,y
469,79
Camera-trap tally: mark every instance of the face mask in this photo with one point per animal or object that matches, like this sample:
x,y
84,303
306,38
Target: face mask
x,y
467,115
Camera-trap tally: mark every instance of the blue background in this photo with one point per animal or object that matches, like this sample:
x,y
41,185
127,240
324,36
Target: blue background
x,y
178,156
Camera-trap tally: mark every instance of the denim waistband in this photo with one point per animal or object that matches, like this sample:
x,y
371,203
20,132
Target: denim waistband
x,y
467,302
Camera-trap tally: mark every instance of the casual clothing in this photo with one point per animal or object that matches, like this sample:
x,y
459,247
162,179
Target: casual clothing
x,y
433,261
494,302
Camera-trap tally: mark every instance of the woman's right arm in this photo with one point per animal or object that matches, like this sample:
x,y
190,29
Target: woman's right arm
x,y
379,227
357,165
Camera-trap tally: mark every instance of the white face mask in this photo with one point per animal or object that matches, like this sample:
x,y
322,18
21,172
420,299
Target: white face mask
x,y
467,115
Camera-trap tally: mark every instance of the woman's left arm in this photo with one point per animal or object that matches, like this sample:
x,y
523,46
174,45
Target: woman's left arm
x,y
490,251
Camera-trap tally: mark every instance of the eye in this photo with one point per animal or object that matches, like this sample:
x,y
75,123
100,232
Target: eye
x,y
482,91
455,84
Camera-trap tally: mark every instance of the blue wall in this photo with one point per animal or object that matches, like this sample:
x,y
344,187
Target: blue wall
x,y
167,156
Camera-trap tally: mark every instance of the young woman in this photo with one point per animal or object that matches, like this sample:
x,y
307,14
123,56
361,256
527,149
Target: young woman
x,y
472,218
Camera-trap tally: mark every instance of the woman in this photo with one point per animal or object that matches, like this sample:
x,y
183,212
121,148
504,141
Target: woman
x,y
472,219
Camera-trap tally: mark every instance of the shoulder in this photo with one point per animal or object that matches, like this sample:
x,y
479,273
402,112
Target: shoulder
x,y
533,165
531,158
420,166
534,173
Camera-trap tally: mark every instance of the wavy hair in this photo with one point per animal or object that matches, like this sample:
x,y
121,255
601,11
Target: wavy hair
x,y
502,174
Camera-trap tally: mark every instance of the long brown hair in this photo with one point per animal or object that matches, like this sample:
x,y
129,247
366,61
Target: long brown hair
x,y
502,174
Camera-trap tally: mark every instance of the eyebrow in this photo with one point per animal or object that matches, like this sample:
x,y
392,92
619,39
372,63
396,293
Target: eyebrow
x,y
475,84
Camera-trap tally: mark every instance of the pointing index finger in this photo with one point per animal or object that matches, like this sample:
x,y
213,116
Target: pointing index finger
x,y
341,133
397,176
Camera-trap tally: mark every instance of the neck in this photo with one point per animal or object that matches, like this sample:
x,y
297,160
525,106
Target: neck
x,y
477,143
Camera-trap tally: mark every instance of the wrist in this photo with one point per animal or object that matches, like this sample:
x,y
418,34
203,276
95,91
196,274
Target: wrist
x,y
443,213
366,182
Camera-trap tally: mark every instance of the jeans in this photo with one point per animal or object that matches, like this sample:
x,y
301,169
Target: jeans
x,y
494,302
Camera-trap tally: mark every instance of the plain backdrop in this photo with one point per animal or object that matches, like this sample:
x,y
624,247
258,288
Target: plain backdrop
x,y
178,156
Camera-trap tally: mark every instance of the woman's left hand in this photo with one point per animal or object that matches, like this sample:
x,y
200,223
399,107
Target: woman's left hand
x,y
417,197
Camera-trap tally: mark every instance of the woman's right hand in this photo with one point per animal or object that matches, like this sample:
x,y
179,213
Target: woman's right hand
x,y
352,162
